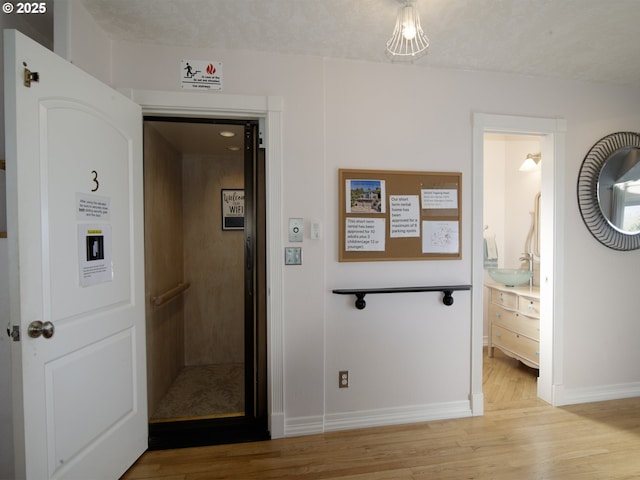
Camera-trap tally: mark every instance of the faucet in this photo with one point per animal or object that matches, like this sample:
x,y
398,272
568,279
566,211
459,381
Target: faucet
x,y
528,257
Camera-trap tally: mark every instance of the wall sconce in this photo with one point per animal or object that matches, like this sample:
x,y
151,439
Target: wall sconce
x,y
408,41
531,162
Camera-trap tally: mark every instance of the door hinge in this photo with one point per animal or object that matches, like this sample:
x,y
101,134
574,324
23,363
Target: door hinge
x,y
30,76
14,332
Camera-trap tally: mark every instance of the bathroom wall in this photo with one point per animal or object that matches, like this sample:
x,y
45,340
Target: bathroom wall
x,y
520,192
509,193
494,193
163,262
214,261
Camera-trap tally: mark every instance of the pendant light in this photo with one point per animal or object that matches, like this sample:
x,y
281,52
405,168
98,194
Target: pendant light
x,y
408,41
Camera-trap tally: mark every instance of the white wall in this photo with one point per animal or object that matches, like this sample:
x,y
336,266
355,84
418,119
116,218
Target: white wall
x,y
409,356
493,217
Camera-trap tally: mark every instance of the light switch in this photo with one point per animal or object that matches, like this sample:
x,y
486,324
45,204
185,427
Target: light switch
x,y
296,229
315,230
293,255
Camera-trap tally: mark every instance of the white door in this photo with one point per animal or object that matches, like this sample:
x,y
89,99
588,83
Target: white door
x,y
75,222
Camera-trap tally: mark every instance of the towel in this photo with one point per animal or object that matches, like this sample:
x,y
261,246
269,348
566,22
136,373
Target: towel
x,y
492,248
490,252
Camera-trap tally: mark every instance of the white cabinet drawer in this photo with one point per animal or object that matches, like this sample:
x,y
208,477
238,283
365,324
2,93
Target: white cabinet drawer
x,y
528,326
506,299
529,306
519,345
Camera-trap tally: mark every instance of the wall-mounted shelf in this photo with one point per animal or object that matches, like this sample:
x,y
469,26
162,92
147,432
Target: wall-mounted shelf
x,y
447,291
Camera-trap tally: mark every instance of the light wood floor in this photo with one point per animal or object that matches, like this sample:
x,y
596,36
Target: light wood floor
x,y
518,438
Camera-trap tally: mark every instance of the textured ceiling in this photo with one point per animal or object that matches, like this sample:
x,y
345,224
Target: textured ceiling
x,y
592,40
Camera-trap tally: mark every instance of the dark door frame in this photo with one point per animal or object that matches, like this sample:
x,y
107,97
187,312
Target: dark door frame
x,y
253,426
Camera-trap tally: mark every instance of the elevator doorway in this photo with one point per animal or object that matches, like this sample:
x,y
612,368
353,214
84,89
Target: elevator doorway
x,y
205,281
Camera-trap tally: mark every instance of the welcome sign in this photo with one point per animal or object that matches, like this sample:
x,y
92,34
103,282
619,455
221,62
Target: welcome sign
x,y
232,209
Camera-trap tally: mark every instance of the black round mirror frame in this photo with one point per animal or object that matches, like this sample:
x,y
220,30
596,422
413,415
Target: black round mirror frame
x,y
588,178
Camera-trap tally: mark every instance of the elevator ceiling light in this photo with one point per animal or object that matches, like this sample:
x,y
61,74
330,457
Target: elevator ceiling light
x,y
226,134
408,41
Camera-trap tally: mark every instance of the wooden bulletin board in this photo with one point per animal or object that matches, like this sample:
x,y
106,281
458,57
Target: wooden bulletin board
x,y
398,215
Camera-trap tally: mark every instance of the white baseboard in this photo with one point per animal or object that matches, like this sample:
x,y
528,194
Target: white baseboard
x,y
376,418
572,396
296,427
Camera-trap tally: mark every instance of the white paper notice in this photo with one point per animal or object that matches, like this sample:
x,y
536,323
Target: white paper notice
x,y
365,234
92,207
440,237
439,198
405,216
94,254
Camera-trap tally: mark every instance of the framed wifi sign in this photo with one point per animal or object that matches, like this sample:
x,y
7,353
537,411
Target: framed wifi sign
x,y
232,209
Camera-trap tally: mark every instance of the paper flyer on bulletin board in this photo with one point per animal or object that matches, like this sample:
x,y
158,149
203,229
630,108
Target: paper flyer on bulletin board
x,y
440,237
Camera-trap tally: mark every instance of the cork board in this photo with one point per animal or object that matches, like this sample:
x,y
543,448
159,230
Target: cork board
x,y
388,215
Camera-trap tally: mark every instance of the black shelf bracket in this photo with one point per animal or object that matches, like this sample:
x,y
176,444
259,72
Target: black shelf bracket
x,y
447,292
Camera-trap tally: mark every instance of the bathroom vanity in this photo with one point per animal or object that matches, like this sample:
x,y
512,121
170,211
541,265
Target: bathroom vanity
x,y
514,322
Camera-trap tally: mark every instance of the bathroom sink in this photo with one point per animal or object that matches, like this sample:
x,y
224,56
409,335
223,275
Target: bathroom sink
x,y
510,277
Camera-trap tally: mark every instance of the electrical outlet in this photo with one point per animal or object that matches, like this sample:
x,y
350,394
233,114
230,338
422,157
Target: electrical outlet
x,y
343,379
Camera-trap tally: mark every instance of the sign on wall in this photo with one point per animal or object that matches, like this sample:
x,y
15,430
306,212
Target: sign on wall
x,y
96,266
232,209
94,239
201,75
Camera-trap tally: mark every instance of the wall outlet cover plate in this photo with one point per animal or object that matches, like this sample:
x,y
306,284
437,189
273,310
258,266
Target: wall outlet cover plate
x,y
293,255
296,229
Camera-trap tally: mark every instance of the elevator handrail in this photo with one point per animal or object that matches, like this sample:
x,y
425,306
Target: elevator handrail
x,y
170,294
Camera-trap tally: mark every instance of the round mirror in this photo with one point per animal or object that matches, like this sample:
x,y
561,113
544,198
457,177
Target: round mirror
x,y
609,191
619,190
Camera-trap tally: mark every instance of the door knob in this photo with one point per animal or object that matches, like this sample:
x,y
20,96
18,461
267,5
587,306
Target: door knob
x,y
38,328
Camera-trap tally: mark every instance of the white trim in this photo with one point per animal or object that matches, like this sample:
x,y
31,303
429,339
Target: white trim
x,y
396,416
376,418
602,393
190,104
297,427
552,266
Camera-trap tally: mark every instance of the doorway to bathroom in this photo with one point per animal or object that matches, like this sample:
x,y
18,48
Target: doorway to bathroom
x,y
205,269
511,242
547,348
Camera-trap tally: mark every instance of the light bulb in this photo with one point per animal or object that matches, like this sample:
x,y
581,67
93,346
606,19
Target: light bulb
x,y
408,22
409,31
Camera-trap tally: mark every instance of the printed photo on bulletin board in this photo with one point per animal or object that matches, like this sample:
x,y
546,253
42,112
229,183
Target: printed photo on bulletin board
x,y
398,215
232,209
